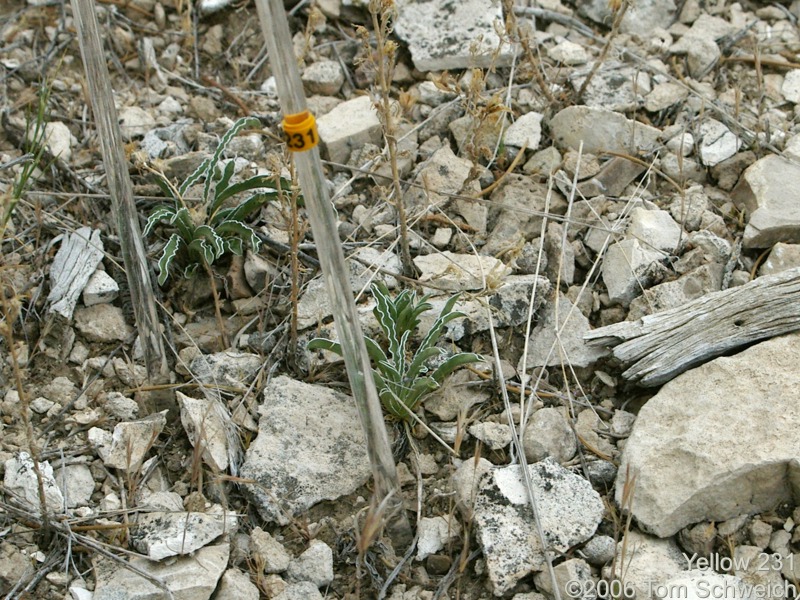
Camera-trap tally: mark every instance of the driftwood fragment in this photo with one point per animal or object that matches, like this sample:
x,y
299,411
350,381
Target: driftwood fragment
x,y
660,346
74,263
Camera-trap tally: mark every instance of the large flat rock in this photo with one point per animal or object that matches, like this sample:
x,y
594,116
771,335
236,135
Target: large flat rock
x,y
718,441
770,191
441,33
601,130
309,448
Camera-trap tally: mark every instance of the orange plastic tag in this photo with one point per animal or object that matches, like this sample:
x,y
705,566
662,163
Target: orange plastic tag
x,y
300,131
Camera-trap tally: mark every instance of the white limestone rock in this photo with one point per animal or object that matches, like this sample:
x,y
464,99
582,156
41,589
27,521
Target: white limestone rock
x,y
770,191
711,422
100,289
440,33
309,448
159,535
569,511
601,130
347,127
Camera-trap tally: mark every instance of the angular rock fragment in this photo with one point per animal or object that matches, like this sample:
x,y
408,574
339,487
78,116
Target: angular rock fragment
x,y
159,535
711,422
569,512
309,448
441,34
188,577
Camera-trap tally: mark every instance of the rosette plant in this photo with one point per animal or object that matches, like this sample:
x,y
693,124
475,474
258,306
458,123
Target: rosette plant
x,y
403,377
217,225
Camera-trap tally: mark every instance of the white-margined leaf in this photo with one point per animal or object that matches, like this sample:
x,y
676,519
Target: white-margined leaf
x,y
167,257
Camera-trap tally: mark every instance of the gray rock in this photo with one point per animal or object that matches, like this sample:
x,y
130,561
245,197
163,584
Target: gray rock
x,y
717,142
494,435
640,19
236,585
207,424
100,289
615,86
229,368
664,95
59,140
569,511
600,550
20,480
697,584
522,201
76,483
791,86
348,126
679,431
304,590
126,447
601,130
627,268
546,349
568,53
314,565
770,191
692,285
102,323
134,122
525,131
781,258
441,34
753,567
14,567
434,533
442,175
309,448
187,577
159,535
645,563
549,435
571,570
466,482
654,229
269,553
323,77
459,272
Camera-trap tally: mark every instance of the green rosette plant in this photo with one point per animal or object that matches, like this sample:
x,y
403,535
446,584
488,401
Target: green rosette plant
x,y
403,378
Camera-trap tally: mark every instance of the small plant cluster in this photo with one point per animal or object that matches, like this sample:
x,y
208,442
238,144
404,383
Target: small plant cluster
x,y
205,234
403,378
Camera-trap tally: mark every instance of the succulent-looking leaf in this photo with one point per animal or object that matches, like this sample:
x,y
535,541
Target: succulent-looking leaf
x,y
257,182
222,183
325,344
202,250
211,237
190,271
159,214
241,231
234,246
454,362
167,256
243,210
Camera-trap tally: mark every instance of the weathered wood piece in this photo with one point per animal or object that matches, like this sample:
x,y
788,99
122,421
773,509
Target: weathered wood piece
x,y
74,263
121,190
662,345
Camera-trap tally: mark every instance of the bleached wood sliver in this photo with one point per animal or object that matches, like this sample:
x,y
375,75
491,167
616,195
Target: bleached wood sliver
x,y
662,345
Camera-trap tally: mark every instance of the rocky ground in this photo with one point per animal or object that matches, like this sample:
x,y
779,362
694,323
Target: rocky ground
x,y
585,173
